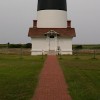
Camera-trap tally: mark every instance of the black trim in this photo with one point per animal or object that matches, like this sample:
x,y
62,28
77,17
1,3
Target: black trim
x,y
52,5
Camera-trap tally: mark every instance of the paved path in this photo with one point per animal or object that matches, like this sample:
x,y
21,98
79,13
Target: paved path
x,y
52,84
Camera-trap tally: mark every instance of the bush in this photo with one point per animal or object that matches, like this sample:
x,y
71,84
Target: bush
x,y
28,45
79,47
15,46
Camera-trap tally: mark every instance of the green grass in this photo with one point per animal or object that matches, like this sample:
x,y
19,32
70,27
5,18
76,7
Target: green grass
x,y
83,76
19,76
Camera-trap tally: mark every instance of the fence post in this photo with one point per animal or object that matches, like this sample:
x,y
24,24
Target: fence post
x,y
94,54
21,52
42,53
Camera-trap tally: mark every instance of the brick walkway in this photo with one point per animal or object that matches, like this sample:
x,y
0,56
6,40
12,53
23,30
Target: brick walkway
x,y
52,84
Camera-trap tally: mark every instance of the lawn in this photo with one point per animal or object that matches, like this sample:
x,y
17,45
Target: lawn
x,y
19,76
82,74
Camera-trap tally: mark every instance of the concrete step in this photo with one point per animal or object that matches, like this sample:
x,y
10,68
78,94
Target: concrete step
x,y
51,52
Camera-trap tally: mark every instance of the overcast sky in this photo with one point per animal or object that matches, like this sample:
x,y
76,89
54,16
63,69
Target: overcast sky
x,y
16,16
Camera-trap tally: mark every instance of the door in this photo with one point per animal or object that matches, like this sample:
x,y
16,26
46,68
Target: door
x,y
52,43
52,40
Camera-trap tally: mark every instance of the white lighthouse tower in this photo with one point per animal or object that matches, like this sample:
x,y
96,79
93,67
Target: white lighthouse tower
x,y
51,31
52,14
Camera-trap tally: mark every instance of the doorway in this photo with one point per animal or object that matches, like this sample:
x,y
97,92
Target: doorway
x,y
52,37
52,43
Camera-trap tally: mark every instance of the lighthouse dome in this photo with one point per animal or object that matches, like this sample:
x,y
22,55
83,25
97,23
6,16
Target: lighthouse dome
x,y
52,5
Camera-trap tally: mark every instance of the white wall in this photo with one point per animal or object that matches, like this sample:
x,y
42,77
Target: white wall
x,y
65,45
51,19
41,45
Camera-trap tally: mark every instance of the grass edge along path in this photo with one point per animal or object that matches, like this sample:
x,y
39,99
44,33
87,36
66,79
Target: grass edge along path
x,y
82,76
19,76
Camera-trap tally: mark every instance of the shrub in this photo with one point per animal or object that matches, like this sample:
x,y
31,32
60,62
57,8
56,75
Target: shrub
x,y
79,47
15,46
28,45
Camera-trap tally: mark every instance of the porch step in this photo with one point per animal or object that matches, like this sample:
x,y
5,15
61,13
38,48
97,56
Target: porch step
x,y
51,52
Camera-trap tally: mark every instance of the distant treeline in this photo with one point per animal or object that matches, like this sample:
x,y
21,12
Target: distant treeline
x,y
8,45
94,46
29,45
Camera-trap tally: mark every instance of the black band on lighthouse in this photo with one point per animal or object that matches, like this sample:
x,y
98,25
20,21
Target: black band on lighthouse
x,y
52,5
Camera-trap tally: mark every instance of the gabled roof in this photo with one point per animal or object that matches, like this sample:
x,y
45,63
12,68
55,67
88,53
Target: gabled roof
x,y
40,32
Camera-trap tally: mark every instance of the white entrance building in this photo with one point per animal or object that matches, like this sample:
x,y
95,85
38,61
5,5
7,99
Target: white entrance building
x,y
51,31
45,40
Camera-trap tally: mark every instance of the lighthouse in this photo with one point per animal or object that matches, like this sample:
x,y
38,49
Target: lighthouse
x,y
52,14
51,32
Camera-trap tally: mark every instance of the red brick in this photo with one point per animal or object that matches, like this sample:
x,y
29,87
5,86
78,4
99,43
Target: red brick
x,y
52,84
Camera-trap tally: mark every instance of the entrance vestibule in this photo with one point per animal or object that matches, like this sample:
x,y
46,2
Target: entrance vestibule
x,y
52,38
